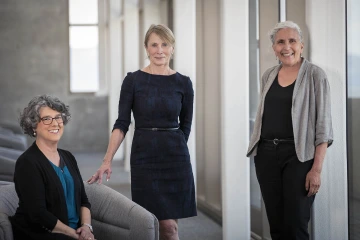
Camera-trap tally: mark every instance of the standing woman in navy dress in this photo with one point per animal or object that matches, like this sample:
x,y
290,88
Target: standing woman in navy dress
x,y
162,103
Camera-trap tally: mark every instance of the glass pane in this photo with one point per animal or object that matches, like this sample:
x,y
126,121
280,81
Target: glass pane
x,y
353,116
256,210
84,59
83,11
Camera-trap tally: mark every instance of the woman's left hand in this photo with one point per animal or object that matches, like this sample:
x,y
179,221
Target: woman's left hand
x,y
85,233
313,182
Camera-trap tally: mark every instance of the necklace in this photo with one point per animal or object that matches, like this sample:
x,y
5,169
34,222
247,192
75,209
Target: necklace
x,y
168,71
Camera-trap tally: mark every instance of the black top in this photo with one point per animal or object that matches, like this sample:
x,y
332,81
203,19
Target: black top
x,y
41,195
277,121
157,101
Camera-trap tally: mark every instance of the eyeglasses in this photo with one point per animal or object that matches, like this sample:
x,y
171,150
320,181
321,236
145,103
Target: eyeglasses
x,y
49,120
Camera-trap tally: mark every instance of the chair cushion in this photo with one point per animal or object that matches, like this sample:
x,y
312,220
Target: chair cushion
x,y
7,168
5,227
8,199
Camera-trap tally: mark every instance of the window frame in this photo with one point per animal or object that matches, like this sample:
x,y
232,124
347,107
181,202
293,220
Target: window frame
x,y
103,66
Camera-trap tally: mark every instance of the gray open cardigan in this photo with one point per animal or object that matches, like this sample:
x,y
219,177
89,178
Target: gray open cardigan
x,y
311,110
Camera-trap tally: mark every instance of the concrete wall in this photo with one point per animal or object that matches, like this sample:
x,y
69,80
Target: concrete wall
x,y
34,59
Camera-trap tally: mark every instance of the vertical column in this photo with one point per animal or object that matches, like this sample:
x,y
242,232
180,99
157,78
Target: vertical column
x,y
234,16
208,108
295,11
131,59
269,12
185,54
327,30
150,14
115,69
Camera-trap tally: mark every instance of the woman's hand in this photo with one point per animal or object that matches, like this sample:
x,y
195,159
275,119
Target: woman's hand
x,y
313,182
75,235
104,168
85,233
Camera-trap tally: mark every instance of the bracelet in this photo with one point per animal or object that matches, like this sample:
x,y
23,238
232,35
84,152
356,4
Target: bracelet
x,y
90,227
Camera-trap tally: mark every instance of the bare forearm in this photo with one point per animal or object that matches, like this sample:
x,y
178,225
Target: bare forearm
x,y
319,157
64,229
116,138
85,215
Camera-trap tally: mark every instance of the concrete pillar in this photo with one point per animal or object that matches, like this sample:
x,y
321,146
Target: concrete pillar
x,y
235,118
131,59
208,108
149,14
327,36
295,11
115,70
269,13
185,54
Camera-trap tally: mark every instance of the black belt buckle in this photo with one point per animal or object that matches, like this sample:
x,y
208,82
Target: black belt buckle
x,y
276,141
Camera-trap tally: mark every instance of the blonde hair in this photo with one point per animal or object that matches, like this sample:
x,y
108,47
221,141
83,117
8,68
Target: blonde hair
x,y
162,31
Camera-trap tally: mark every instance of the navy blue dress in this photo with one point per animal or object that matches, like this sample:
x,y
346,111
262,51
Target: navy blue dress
x,y
161,174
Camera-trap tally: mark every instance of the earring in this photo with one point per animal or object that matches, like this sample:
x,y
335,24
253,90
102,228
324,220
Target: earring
x,y
34,134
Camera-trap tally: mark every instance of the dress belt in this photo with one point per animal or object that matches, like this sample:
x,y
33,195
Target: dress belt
x,y
159,129
276,141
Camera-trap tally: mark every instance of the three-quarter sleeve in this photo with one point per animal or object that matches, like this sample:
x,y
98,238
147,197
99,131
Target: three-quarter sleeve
x,y
30,188
186,112
125,104
323,126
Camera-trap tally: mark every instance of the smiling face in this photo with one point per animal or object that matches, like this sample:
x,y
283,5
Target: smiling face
x,y
159,51
288,47
49,133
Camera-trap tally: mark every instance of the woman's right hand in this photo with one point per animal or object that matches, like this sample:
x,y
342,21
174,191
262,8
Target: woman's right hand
x,y
104,168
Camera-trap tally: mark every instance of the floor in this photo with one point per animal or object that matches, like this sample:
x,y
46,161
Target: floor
x,y
354,217
195,228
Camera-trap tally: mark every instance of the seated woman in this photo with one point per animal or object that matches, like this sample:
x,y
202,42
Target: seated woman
x,y
52,199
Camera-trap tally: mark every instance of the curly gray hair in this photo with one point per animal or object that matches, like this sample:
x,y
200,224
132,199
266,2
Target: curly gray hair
x,y
30,117
282,25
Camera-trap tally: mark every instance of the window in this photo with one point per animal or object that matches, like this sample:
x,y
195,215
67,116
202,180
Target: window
x,y
84,45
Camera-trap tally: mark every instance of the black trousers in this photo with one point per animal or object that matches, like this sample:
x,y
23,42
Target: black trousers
x,y
282,182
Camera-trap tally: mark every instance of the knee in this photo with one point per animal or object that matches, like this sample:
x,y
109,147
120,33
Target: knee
x,y
168,228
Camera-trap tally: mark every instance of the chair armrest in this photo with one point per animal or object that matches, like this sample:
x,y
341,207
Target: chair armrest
x,y
114,216
5,227
108,206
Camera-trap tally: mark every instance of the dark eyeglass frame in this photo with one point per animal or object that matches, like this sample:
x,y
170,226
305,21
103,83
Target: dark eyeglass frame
x,y
59,119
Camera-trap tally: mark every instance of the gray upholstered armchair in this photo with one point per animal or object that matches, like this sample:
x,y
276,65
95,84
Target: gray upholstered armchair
x,y
113,215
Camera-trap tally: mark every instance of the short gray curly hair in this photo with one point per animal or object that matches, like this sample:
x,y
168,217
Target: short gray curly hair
x,y
30,117
282,25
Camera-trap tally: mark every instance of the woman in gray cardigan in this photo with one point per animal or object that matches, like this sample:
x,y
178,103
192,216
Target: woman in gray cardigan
x,y
292,132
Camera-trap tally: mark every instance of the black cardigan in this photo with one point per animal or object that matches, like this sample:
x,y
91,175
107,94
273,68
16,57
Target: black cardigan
x,y
41,195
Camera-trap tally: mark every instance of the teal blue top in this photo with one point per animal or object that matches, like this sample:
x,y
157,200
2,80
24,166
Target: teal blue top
x,y
69,192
